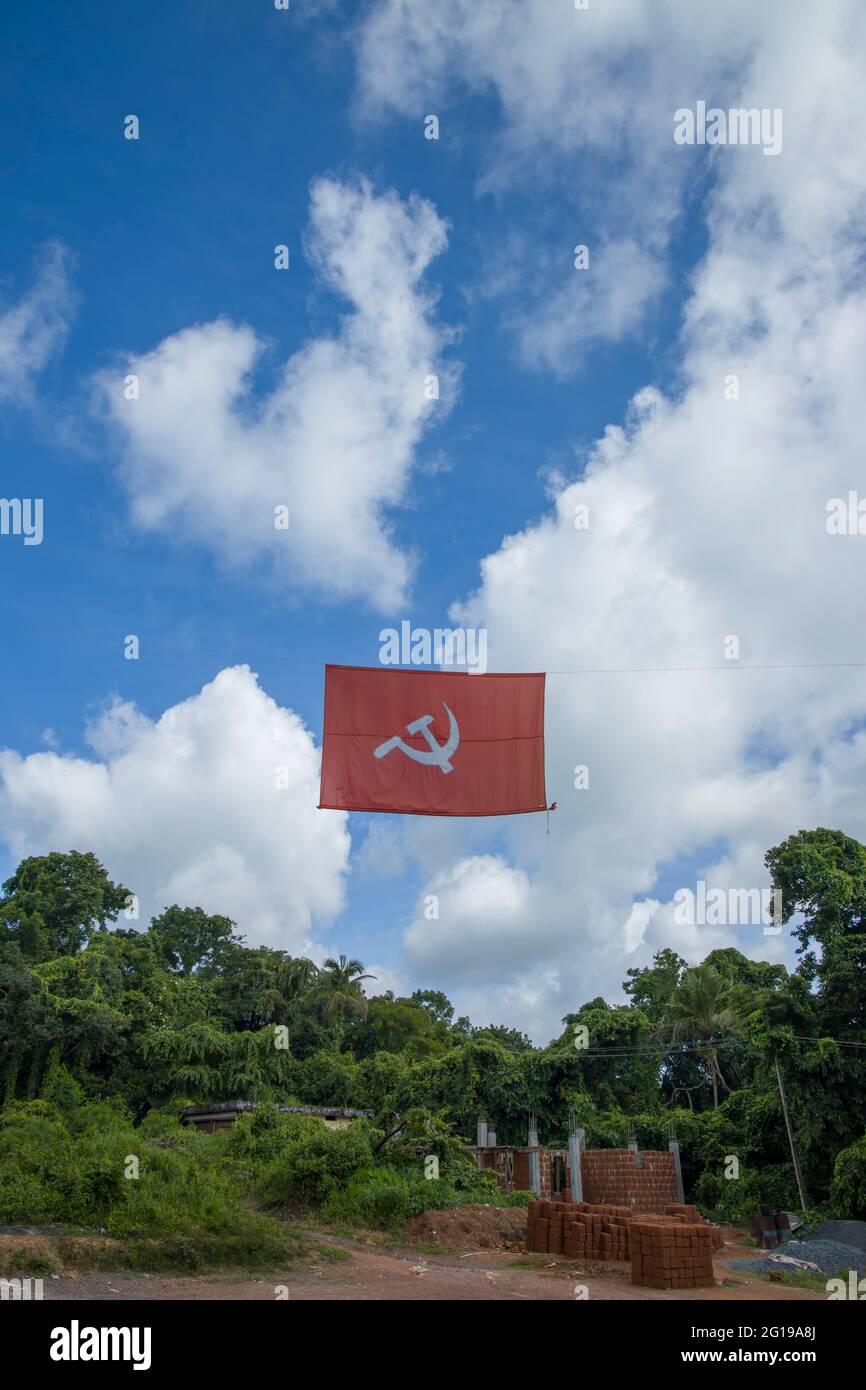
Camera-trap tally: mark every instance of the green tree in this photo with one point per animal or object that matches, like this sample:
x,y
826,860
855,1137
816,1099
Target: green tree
x,y
397,1025
437,1004
617,1070
698,1010
203,1063
190,938
821,875
652,986
54,903
253,987
512,1038
339,991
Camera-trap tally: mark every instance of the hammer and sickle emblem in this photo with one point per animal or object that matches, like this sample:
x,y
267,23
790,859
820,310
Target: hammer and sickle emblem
x,y
438,755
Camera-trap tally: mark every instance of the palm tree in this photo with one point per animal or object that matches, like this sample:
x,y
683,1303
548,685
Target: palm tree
x,y
697,1009
294,984
340,987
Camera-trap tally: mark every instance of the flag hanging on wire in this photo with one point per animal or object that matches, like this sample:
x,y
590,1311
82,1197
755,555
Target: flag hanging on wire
x,y
432,743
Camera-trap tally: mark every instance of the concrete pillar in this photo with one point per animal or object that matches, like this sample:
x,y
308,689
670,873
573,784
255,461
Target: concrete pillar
x,y
480,1140
575,1148
638,1160
491,1138
675,1150
534,1158
535,1172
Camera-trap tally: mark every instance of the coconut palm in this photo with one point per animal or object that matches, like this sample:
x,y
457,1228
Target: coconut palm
x,y
340,988
697,1009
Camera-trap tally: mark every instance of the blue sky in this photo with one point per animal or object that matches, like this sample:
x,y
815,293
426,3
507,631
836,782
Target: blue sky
x,y
239,112
242,110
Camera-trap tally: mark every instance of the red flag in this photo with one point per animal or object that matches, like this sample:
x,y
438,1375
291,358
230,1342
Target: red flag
x,y
432,743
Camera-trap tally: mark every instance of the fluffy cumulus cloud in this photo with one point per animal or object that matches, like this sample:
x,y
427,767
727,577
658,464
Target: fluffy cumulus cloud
x,y
213,804
587,100
334,441
707,519
34,327
481,893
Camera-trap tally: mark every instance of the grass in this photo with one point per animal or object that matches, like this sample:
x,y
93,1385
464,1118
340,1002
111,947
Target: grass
x,y
23,1261
175,1254
801,1279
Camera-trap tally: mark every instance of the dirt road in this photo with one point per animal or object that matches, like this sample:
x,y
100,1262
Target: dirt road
x,y
386,1275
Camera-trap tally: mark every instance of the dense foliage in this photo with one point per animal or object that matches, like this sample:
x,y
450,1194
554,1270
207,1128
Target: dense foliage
x,y
107,1031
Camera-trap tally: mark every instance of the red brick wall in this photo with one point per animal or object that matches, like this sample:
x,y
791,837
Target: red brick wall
x,y
521,1171
612,1176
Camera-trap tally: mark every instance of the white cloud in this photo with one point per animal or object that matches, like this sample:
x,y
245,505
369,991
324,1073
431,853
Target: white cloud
x,y
187,809
585,103
336,438
707,518
382,852
603,303
34,329
482,907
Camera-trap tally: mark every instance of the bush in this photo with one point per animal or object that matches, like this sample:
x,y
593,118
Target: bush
x,y
313,1162
372,1197
35,1159
734,1200
73,1170
387,1197
258,1136
848,1192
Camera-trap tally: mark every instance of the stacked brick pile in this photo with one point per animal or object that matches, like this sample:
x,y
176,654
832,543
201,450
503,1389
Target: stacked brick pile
x,y
580,1230
670,1251
672,1254
683,1212
596,1232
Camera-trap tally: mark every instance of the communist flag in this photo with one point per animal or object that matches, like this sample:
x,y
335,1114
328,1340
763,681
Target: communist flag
x,y
432,743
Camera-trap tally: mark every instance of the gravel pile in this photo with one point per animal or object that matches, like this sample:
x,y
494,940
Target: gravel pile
x,y
830,1256
847,1232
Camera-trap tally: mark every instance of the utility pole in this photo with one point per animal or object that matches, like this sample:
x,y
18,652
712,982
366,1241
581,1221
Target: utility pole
x,y
790,1130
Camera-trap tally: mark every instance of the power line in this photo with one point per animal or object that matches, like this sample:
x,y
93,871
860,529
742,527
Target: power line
x,y
727,666
718,1043
555,671
176,647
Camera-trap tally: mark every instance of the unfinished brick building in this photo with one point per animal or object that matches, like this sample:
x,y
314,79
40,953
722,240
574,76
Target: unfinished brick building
x,y
639,1181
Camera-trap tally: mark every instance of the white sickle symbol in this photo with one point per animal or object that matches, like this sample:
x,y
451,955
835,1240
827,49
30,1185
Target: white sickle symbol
x,y
439,753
